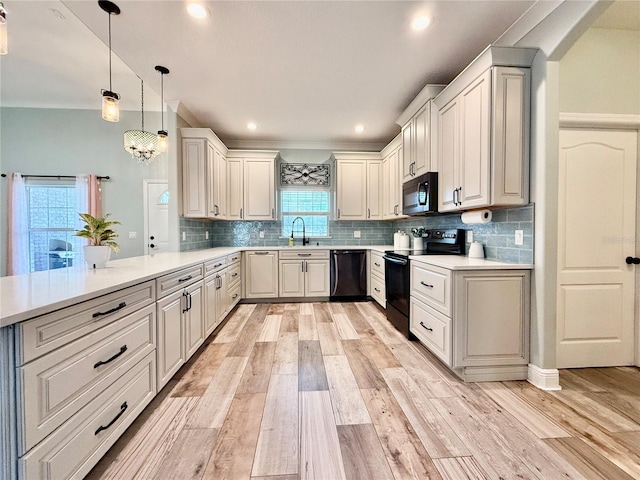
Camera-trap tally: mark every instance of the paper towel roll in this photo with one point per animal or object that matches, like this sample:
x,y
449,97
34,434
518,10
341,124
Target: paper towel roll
x,y
477,216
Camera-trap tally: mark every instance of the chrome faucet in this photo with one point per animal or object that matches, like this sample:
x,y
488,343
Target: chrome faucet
x,y
305,240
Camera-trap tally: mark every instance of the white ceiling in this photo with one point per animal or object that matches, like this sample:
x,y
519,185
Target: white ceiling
x,y
304,71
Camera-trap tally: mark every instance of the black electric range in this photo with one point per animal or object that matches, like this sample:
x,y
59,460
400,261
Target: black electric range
x,y
398,272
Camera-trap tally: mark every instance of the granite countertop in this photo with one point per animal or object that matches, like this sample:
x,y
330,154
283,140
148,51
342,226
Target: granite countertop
x,y
26,296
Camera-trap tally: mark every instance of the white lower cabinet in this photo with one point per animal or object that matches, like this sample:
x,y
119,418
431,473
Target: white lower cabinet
x,y
304,273
475,321
261,274
377,279
180,329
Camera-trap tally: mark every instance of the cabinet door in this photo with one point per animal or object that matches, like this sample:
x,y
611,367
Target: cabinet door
x,y
317,278
292,278
222,294
387,199
407,157
259,189
511,93
210,300
475,117
395,183
374,190
234,189
422,160
219,185
486,335
194,178
171,343
351,190
261,274
448,149
194,318
213,207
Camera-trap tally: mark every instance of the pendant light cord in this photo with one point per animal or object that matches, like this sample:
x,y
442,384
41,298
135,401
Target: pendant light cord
x,y
162,100
142,101
110,87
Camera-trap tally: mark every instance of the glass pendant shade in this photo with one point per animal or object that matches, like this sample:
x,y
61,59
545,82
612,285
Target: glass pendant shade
x,y
163,141
142,145
4,47
110,108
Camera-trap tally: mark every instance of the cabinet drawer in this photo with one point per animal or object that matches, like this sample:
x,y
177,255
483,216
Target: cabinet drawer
x,y
234,258
175,281
377,264
303,254
234,295
432,285
432,328
233,274
56,386
378,290
46,333
215,265
73,449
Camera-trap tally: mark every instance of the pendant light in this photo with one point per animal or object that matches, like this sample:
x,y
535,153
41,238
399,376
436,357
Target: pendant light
x,y
4,47
163,136
141,144
110,109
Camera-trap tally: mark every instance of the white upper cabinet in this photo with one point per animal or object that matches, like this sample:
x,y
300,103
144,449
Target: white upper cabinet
x,y
392,179
251,185
358,186
483,132
417,143
204,174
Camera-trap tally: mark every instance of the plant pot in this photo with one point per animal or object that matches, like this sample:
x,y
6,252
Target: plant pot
x,y
418,243
96,257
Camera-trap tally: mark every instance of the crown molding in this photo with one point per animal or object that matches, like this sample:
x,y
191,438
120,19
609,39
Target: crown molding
x,y
301,145
599,120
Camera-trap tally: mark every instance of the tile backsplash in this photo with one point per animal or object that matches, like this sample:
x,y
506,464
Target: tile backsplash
x,y
497,236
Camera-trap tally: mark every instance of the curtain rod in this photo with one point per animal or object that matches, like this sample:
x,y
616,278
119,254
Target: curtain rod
x,y
100,177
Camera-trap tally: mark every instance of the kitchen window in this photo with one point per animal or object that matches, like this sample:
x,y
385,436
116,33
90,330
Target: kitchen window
x,y
52,220
312,205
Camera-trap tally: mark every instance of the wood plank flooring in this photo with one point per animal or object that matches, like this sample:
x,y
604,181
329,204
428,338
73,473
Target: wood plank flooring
x,y
332,391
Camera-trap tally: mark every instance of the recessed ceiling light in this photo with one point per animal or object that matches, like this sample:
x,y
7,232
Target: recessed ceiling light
x,y
420,23
252,126
197,10
359,128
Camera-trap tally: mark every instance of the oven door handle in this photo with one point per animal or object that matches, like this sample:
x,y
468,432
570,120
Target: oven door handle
x,y
395,260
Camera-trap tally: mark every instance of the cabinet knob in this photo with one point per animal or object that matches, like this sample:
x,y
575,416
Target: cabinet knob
x,y
632,260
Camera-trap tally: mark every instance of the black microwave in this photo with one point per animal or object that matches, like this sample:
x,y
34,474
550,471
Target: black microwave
x,y
420,195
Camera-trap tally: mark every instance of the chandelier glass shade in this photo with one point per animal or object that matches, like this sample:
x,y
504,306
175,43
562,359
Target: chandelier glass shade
x,y
142,145
4,47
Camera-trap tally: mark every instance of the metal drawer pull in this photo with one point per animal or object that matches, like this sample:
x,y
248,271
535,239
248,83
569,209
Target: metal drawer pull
x,y
262,253
376,264
235,296
217,265
425,284
109,360
123,408
234,274
184,279
304,254
376,289
425,327
119,307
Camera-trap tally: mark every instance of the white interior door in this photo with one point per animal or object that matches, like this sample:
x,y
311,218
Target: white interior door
x,y
156,205
596,232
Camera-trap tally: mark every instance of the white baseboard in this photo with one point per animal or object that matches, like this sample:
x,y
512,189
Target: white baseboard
x,y
544,378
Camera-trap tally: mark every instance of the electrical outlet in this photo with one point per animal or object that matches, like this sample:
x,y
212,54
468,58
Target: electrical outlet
x,y
133,234
356,234
206,235
469,236
261,233
184,236
519,237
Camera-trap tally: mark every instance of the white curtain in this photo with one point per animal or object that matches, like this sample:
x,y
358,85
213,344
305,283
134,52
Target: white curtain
x,y
18,232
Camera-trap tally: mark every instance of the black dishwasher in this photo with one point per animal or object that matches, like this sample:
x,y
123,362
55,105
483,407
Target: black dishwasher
x,y
348,274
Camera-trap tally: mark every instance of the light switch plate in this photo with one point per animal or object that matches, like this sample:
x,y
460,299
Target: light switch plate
x,y
469,236
519,237
206,235
133,234
261,233
356,234
184,236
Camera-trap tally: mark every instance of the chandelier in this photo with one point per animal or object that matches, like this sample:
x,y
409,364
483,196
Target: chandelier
x,y
142,145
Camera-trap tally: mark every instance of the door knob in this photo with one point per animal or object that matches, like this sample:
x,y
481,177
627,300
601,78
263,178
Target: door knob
x,y
634,260
152,237
151,245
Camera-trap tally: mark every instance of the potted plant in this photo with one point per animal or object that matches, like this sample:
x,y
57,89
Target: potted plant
x,y
101,239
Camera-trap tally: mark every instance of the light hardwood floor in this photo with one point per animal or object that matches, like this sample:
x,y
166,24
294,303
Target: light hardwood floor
x,y
331,391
